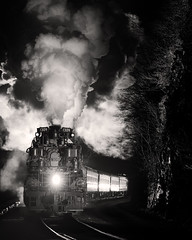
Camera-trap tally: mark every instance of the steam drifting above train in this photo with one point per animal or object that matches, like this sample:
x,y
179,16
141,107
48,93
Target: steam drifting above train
x,y
57,181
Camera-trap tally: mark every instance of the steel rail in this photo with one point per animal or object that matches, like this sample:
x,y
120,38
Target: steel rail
x,y
104,233
63,236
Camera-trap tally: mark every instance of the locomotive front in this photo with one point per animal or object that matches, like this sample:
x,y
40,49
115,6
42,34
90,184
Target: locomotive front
x,y
55,179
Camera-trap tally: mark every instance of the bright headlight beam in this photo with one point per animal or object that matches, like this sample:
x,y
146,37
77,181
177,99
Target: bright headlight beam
x,y
56,180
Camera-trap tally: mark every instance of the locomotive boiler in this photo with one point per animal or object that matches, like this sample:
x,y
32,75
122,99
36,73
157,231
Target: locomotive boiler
x,y
57,180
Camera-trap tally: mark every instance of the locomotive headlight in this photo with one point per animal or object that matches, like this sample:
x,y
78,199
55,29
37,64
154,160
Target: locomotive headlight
x,y
56,180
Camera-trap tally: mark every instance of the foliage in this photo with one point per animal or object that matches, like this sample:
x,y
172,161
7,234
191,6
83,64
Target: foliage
x,y
161,143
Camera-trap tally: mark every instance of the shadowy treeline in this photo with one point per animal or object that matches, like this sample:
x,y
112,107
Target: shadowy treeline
x,y
161,102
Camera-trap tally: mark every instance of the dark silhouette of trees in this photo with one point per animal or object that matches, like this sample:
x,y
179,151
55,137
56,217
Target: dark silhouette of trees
x,y
161,107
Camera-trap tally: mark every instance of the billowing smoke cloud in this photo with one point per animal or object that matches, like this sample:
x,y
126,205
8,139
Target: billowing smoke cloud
x,y
91,23
18,120
18,123
13,174
21,122
6,76
88,21
61,70
63,66
48,9
103,126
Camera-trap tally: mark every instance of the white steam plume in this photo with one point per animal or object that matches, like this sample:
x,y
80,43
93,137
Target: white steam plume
x,y
62,72
6,76
19,122
18,118
88,21
13,174
47,10
62,67
103,127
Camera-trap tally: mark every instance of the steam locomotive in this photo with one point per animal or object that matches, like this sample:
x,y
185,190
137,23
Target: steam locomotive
x,y
57,180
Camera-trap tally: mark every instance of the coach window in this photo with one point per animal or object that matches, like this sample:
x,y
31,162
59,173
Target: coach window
x,y
41,152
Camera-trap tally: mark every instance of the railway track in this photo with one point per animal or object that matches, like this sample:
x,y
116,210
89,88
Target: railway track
x,y
17,224
69,228
60,235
